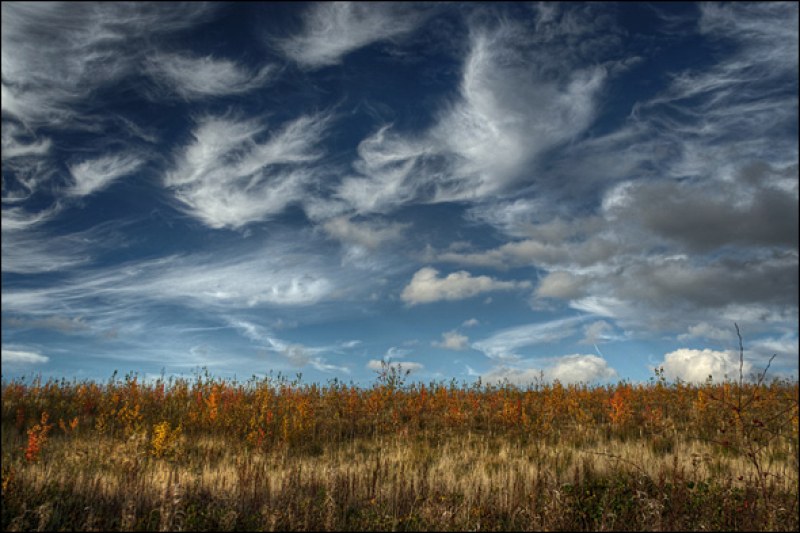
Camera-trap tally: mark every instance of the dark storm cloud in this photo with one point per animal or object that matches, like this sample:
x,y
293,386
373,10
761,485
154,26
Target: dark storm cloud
x,y
759,208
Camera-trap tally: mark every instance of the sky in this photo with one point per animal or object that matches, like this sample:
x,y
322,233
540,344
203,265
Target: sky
x,y
511,192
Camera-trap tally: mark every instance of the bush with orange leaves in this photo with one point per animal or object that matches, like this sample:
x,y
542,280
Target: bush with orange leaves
x,y
37,437
620,408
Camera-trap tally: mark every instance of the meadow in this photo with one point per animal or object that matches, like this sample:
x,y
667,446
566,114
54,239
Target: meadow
x,y
276,454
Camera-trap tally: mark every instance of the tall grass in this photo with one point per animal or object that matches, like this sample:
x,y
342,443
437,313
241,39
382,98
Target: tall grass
x,y
270,454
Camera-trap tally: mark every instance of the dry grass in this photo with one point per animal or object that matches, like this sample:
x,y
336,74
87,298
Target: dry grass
x,y
471,482
218,456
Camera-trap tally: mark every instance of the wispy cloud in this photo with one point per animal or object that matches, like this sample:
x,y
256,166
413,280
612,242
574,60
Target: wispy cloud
x,y
331,30
513,105
504,344
228,177
31,253
93,175
274,276
55,322
28,250
194,78
18,142
33,243
509,113
295,354
13,356
368,235
55,54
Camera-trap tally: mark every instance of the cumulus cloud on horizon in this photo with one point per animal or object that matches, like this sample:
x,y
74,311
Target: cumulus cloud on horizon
x,y
576,368
697,365
378,365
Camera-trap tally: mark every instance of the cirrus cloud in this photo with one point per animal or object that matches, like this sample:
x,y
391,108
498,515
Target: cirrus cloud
x,y
332,30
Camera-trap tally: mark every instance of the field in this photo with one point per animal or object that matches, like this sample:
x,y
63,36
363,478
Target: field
x,y
275,454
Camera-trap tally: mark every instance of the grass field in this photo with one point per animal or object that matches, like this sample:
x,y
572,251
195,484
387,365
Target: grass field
x,y
271,454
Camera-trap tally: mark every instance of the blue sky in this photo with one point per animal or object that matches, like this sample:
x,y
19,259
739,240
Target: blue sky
x,y
579,191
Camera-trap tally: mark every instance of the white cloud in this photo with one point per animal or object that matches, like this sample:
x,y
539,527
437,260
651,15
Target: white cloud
x,y
561,285
509,113
452,340
24,176
228,178
279,273
534,252
202,77
402,366
470,323
514,218
575,368
56,54
296,354
369,235
504,343
93,175
580,368
719,236
333,29
237,282
22,357
426,286
15,219
596,332
520,377
386,164
784,348
14,142
696,365
513,106
28,249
